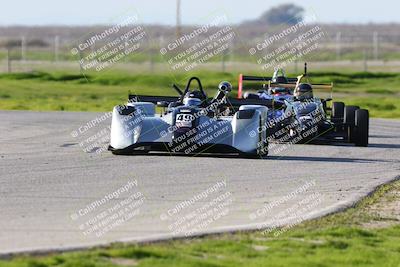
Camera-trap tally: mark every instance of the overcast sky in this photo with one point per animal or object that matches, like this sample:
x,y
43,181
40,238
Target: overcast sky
x,y
84,12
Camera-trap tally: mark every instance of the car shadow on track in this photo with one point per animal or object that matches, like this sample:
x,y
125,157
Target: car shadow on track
x,y
383,136
214,155
385,145
287,158
326,159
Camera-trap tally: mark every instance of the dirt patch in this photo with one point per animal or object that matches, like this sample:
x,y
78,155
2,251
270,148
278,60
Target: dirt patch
x,y
385,212
259,248
124,262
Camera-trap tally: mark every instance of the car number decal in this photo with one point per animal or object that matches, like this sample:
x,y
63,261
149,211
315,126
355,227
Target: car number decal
x,y
184,120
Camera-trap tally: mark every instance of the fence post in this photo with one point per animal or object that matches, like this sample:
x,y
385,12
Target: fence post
x,y
151,58
126,46
8,60
338,45
223,61
56,47
365,61
376,45
23,48
80,61
232,50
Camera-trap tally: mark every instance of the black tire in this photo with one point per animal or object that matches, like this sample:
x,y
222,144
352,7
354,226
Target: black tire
x,y
128,151
361,128
350,121
337,115
249,155
256,155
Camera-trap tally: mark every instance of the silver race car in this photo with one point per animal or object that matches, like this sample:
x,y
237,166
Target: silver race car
x,y
299,116
190,123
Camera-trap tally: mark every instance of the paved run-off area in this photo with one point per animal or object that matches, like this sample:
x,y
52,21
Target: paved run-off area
x,y
57,192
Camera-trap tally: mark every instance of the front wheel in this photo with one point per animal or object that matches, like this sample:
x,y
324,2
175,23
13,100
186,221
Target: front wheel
x,y
337,115
361,128
258,154
350,121
129,151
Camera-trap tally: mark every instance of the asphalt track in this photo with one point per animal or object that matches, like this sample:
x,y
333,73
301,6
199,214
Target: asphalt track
x,y
47,181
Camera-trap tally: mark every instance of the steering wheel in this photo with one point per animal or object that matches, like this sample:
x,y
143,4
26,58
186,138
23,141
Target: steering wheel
x,y
187,89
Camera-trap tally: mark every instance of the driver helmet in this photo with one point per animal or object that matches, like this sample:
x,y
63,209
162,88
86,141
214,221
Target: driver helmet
x,y
189,101
303,91
279,76
279,90
279,79
195,94
193,98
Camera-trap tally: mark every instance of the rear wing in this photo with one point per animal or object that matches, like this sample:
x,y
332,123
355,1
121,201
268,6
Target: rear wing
x,y
153,99
256,79
317,86
230,102
235,103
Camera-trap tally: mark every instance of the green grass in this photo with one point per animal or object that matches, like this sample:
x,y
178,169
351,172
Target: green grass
x,y
73,92
335,240
378,92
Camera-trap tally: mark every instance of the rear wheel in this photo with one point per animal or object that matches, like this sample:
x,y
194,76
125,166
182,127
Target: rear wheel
x,y
350,121
337,115
361,128
337,112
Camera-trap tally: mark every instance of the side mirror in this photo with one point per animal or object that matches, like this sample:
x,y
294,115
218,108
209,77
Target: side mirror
x,y
225,87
